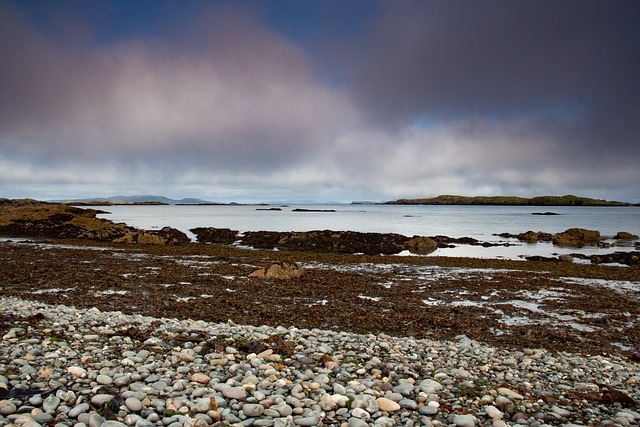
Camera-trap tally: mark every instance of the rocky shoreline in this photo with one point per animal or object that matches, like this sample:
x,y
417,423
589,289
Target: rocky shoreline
x,y
109,369
208,334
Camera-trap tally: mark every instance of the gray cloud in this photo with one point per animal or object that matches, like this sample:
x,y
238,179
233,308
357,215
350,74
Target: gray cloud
x,y
473,98
244,97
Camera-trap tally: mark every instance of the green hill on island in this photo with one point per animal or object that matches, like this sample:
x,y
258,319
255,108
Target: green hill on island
x,y
568,200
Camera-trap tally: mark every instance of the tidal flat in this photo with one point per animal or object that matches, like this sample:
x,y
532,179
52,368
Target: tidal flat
x,y
520,304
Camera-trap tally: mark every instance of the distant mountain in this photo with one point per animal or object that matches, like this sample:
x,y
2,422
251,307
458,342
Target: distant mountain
x,y
139,199
568,200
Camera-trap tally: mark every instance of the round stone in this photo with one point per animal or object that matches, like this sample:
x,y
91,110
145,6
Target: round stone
x,y
465,420
104,379
252,410
133,404
7,407
234,393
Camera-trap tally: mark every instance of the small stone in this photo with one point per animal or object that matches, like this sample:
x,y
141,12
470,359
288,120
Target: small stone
x,y
7,407
99,399
508,393
560,411
50,404
388,405
104,380
234,393
42,418
360,413
77,371
200,378
461,373
357,422
78,409
430,386
409,404
493,412
133,404
308,421
465,420
252,410
95,420
428,410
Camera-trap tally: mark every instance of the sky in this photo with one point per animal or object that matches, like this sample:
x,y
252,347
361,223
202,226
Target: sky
x,y
328,101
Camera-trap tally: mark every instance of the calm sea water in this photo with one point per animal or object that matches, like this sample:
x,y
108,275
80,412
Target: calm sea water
x,y
480,222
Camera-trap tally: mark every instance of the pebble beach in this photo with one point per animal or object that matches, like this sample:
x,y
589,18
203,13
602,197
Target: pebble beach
x,y
106,369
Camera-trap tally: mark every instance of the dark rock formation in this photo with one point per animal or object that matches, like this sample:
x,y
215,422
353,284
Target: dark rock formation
x,y
529,236
328,241
576,237
347,242
627,258
224,236
624,235
312,210
31,218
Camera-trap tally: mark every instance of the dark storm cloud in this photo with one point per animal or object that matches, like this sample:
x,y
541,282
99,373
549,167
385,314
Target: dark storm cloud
x,y
414,99
453,59
558,79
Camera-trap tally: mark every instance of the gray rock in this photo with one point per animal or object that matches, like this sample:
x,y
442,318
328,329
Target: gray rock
x,y
465,420
357,422
234,393
252,410
7,407
50,404
95,420
99,399
78,409
133,404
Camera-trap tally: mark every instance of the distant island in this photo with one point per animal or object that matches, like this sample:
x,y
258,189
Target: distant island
x,y
568,200
134,200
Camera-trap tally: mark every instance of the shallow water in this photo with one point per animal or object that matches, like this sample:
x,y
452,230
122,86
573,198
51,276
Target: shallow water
x,y
479,222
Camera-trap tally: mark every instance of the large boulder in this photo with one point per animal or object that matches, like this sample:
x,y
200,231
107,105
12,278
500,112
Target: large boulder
x,y
280,271
421,245
31,218
576,237
624,235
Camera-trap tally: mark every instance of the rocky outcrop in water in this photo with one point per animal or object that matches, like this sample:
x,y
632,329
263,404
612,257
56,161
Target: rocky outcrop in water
x,y
529,236
625,235
223,236
345,242
576,237
31,218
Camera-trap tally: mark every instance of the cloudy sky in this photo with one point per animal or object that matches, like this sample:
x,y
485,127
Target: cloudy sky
x,y
319,100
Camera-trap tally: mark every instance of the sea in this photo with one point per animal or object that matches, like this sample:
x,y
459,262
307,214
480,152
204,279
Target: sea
x,y
479,222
